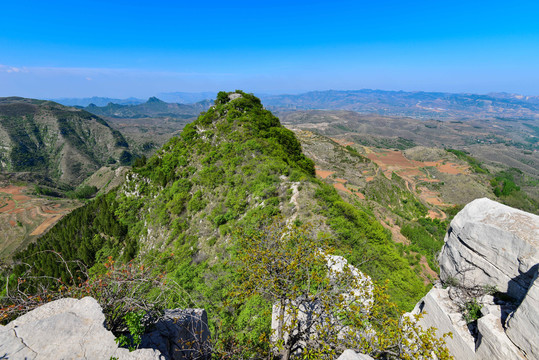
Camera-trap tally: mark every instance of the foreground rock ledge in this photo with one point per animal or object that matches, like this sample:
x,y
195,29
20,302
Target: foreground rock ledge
x,y
65,329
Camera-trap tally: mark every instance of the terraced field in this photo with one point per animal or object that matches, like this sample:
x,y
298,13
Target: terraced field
x,y
24,216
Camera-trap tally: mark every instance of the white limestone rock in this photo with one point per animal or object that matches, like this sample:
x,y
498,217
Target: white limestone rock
x,y
523,325
352,355
65,329
492,244
441,313
492,342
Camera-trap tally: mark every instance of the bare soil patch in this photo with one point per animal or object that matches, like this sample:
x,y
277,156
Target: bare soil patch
x,y
324,173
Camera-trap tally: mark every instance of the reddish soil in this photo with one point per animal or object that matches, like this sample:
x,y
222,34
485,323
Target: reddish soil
x,y
437,215
20,198
341,187
342,181
11,189
395,231
360,195
46,224
370,178
448,168
12,223
342,142
391,158
324,173
10,206
427,269
47,210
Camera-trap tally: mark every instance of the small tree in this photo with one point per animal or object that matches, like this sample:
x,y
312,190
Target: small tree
x,y
322,305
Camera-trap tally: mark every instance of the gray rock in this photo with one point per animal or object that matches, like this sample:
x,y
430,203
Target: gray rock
x,y
523,325
492,342
64,329
492,244
352,355
181,335
440,312
234,96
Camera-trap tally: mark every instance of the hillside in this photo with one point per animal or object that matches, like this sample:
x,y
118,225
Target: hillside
x,y
150,109
495,148
417,104
183,211
55,142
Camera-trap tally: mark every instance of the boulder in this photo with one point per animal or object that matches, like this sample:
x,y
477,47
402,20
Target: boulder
x,y
352,355
523,324
491,244
65,329
182,334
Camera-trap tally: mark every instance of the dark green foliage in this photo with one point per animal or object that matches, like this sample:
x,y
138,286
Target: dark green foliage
x,y
82,192
43,190
80,235
472,311
506,187
126,158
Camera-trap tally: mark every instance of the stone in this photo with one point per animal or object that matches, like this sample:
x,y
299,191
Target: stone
x,y
491,244
65,329
492,342
523,324
234,96
182,334
440,312
352,355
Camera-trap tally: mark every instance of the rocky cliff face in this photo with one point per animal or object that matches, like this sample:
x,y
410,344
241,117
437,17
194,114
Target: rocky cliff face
x,y
490,297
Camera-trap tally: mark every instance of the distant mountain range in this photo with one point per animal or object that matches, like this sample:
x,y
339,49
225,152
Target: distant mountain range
x,y
152,108
97,100
418,104
413,104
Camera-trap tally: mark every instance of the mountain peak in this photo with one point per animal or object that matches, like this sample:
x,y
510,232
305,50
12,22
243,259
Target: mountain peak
x,y
154,100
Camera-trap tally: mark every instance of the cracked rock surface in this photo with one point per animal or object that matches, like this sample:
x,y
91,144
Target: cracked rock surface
x,y
64,329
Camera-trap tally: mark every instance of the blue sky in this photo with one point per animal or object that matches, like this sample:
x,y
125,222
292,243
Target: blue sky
x,y
138,48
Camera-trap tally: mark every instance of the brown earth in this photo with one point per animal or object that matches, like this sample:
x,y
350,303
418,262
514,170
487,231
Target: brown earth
x,y
324,173
25,216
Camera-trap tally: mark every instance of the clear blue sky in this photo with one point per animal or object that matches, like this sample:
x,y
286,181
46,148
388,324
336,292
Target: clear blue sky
x,y
138,48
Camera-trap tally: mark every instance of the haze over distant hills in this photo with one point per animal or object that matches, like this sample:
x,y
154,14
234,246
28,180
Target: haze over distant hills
x,y
418,104
97,100
154,107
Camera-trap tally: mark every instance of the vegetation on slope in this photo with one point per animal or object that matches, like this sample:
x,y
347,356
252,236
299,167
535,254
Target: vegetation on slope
x,y
54,141
233,168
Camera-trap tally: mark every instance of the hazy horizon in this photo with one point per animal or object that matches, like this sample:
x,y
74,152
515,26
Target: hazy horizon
x,y
122,49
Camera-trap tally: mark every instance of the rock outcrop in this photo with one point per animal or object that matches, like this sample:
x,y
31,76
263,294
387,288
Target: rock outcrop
x,y
65,329
492,244
74,329
490,258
